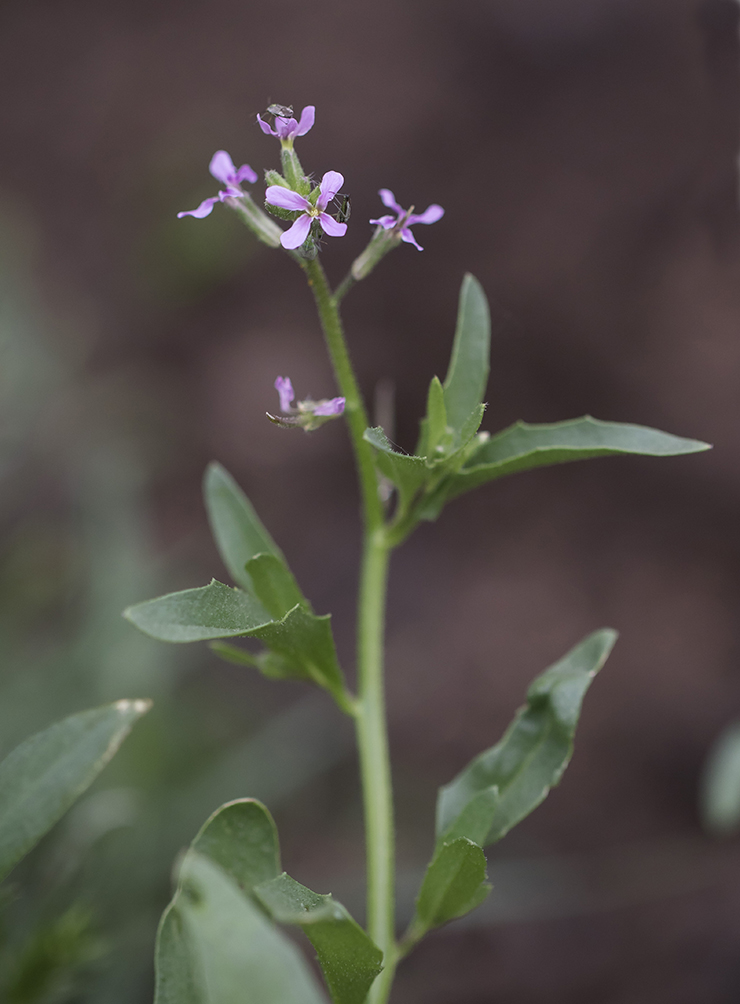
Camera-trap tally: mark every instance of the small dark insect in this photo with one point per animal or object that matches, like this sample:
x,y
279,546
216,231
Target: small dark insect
x,y
344,210
282,111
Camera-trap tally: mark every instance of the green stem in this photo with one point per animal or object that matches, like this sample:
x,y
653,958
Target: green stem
x,y
370,716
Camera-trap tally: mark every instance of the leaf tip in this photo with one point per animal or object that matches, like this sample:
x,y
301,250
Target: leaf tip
x,y
139,705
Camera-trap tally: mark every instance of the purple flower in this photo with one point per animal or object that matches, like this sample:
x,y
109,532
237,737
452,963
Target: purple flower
x,y
285,198
287,395
430,215
223,170
308,414
288,129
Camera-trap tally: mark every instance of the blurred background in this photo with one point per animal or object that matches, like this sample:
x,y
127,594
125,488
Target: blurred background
x,y
585,153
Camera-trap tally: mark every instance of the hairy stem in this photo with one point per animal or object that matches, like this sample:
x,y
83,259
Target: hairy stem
x,y
370,716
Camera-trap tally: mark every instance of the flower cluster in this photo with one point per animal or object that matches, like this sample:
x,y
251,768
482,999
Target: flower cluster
x,y
293,194
307,414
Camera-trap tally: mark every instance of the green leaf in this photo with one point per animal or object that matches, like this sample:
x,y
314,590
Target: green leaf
x,y
349,959
274,584
302,644
503,785
213,611
409,474
454,884
467,376
43,776
237,955
177,981
242,839
435,435
720,790
522,447
236,527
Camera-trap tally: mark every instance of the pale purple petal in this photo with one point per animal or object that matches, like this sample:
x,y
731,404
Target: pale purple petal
x,y
430,215
285,389
331,226
266,127
307,119
297,234
333,407
245,173
330,185
276,195
203,210
407,236
386,222
222,167
231,193
389,200
285,127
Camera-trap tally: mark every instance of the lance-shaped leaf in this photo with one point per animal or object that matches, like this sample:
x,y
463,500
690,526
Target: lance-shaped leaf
x,y
522,447
274,585
454,884
503,785
213,611
467,376
228,950
236,527
303,642
242,839
43,776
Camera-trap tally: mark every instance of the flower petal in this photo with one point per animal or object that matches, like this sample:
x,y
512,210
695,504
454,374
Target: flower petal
x,y
389,200
297,234
331,226
430,215
285,389
285,127
386,222
203,210
246,173
407,236
307,119
276,195
330,185
266,127
222,167
333,407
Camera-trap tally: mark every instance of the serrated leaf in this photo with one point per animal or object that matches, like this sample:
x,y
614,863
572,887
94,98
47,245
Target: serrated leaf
x,y
43,776
236,527
503,785
467,376
409,474
236,951
522,447
720,789
454,884
242,839
274,584
349,959
212,611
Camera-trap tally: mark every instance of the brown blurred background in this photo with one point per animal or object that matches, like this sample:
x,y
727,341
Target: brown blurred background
x,y
585,153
